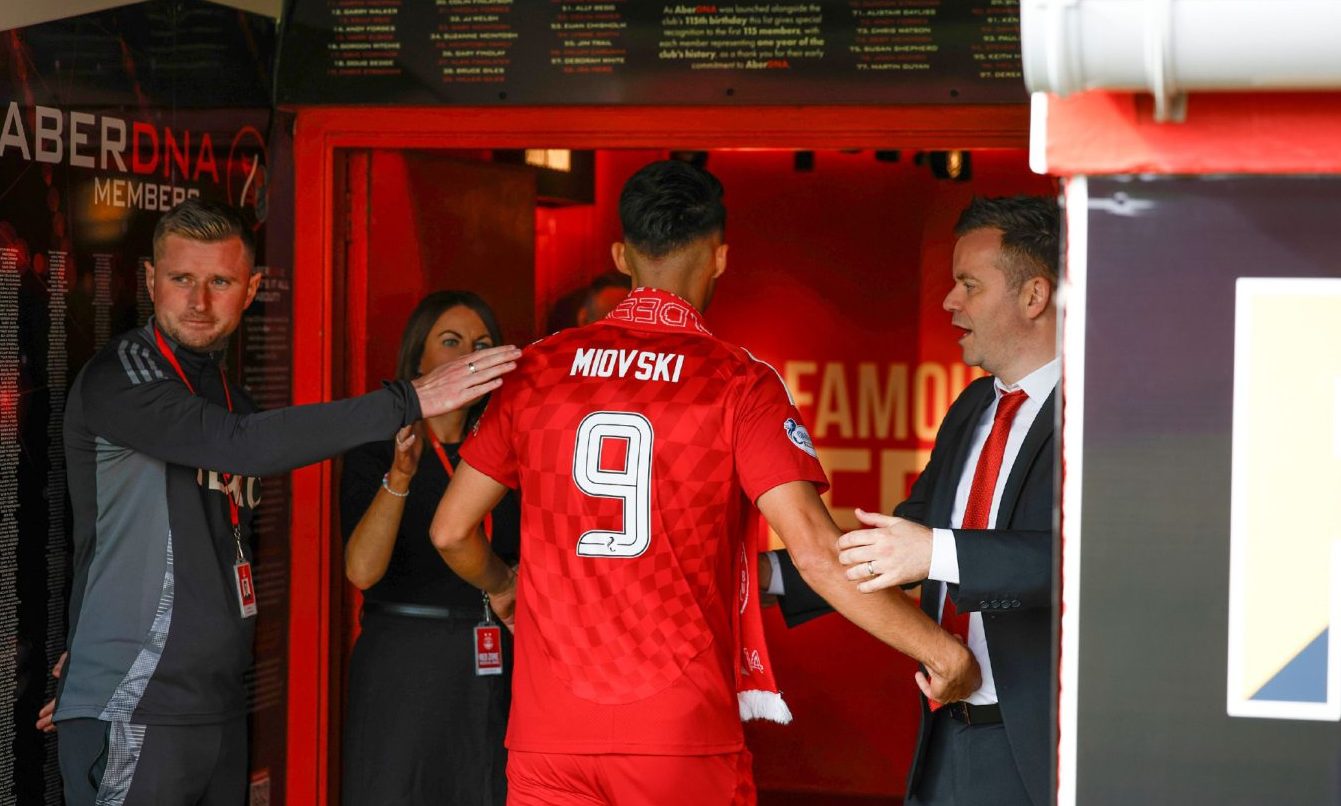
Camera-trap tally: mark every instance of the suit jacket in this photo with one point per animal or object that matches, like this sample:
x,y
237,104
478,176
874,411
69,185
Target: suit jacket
x,y
1005,573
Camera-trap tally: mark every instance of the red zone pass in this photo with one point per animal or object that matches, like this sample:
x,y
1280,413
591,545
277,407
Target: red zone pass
x,y
246,589
639,443
488,649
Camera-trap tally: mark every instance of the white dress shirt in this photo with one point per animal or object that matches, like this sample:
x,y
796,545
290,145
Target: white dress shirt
x,y
1038,386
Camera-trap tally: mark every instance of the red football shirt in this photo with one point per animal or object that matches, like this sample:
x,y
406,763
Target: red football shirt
x,y
639,444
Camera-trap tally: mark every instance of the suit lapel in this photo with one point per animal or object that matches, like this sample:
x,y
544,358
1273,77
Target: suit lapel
x,y
942,501
943,498
1040,434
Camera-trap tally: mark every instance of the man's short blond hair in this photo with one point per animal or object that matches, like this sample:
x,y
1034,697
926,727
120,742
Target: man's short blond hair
x,y
197,219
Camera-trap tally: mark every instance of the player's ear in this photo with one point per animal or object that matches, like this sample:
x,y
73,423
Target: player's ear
x,y
149,278
617,252
719,260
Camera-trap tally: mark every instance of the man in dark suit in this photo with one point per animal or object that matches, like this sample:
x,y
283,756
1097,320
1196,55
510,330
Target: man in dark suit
x,y
978,527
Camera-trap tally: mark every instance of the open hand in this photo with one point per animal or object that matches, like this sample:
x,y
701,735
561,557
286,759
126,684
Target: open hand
x,y
464,380
894,552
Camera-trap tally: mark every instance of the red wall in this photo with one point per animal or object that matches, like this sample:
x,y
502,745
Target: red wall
x,y
573,243
421,240
394,258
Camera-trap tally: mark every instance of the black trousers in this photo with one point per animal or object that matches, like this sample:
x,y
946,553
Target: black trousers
x,y
421,728
115,763
968,765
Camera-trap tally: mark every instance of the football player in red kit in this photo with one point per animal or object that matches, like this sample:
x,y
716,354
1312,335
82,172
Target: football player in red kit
x,y
641,444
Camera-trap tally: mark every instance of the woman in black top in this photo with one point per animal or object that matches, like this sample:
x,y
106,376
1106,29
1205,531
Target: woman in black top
x,y
421,727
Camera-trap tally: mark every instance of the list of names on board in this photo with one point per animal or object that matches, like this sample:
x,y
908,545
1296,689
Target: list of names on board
x,y
553,52
58,380
997,51
365,38
473,39
9,492
588,38
894,36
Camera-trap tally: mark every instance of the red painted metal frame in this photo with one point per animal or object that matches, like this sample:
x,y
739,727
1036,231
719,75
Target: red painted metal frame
x,y
321,132
1105,133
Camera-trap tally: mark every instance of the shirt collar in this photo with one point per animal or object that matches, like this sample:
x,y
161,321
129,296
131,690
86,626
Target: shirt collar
x,y
1037,384
657,309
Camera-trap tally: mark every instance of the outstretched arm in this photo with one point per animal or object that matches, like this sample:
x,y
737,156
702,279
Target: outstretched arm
x,y
797,514
457,536
152,412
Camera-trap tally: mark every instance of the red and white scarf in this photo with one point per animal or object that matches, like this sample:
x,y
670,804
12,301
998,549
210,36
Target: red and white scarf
x,y
756,689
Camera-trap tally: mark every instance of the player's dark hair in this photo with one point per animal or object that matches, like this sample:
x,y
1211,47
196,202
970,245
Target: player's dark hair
x,y
669,204
1030,234
206,221
420,324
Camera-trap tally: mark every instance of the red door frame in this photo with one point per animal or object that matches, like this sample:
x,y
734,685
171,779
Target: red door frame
x,y
320,132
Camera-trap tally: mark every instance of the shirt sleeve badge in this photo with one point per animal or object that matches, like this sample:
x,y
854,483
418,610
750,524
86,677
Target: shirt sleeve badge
x,y
799,436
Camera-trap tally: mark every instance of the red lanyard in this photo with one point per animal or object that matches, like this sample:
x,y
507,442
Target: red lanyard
x,y
223,477
447,466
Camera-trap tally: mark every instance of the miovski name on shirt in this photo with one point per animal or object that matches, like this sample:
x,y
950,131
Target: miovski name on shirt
x,y
600,363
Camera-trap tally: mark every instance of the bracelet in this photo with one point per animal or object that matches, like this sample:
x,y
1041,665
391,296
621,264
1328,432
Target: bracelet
x,y
387,487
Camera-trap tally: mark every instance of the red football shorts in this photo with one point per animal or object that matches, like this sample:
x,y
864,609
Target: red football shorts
x,y
560,779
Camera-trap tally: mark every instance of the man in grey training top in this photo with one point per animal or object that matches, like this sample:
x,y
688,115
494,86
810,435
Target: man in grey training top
x,y
164,458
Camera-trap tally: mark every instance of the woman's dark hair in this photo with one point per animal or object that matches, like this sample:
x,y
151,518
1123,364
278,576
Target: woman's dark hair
x,y
420,323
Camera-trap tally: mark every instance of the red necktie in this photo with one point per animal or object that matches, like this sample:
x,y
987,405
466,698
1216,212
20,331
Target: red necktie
x,y
979,506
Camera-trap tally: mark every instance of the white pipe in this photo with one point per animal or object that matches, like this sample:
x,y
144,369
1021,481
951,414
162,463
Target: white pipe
x,y
1168,47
